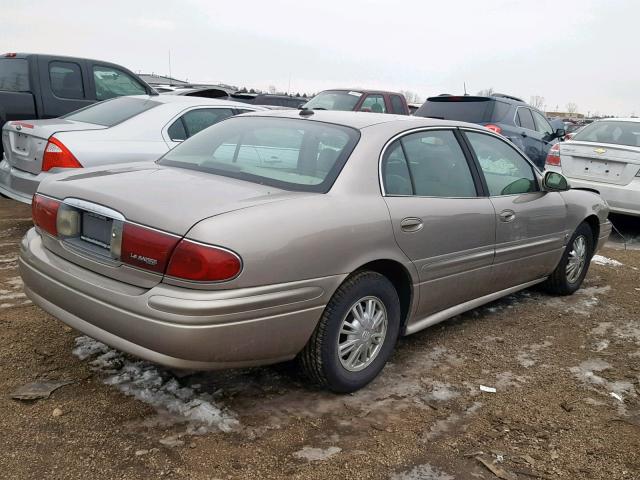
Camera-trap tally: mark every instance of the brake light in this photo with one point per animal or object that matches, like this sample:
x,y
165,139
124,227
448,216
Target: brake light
x,y
553,157
10,55
44,211
146,248
56,155
494,128
203,263
22,124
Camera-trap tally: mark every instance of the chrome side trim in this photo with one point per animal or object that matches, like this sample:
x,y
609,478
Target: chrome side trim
x,y
463,307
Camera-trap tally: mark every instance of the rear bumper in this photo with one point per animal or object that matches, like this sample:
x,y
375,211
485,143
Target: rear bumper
x,y
17,184
177,327
623,199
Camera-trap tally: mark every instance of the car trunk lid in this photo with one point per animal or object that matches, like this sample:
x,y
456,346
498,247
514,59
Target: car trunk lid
x,y
606,163
167,199
25,141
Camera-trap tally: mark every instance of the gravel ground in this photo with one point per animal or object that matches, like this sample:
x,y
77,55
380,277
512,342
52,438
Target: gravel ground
x,y
554,362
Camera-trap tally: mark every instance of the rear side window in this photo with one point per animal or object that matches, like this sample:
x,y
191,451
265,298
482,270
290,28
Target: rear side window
x,y
525,120
197,120
436,166
397,105
373,103
14,75
112,112
463,109
111,82
66,80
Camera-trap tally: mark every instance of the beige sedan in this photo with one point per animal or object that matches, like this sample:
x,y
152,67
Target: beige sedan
x,y
317,235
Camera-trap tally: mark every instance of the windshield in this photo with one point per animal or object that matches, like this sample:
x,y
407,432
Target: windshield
x,y
291,154
14,75
615,132
334,100
112,112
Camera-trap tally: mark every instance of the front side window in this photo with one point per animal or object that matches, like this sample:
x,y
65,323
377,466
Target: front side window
x,y
504,169
611,131
291,154
397,105
373,103
66,80
111,82
428,164
542,124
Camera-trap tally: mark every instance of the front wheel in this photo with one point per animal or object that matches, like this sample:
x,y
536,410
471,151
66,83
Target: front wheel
x,y
574,264
356,334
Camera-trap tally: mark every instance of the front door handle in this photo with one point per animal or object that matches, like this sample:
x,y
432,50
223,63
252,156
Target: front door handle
x,y
411,224
524,134
507,216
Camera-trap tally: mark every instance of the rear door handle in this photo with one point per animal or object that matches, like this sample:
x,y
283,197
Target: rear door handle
x,y
524,135
411,224
507,216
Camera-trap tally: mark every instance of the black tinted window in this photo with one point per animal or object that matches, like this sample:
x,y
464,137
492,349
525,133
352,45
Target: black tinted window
x,y
112,112
66,80
176,131
464,109
14,75
525,119
504,169
397,105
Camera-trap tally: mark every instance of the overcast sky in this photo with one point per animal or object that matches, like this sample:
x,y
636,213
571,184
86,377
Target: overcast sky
x,y
583,51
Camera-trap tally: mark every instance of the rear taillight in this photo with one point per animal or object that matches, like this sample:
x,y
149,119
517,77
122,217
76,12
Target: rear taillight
x,y
56,155
203,263
553,157
494,128
44,211
146,248
568,136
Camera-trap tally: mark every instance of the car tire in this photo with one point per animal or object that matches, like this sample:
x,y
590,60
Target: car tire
x,y
366,294
564,280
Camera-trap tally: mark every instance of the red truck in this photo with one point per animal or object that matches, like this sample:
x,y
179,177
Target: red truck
x,y
359,100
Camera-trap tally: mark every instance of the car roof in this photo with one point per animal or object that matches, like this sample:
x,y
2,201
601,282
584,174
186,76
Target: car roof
x,y
361,120
359,90
187,100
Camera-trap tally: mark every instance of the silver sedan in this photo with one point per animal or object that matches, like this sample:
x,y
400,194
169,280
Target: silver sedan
x,y
317,235
120,130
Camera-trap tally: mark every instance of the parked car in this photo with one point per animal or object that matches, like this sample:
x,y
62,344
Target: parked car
x,y
321,235
509,116
375,101
120,130
48,86
205,92
604,156
265,99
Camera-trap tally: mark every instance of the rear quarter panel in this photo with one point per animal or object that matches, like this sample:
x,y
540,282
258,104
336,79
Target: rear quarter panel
x,y
582,204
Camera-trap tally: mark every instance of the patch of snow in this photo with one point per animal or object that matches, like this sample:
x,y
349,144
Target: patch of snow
x,y
600,260
422,472
316,454
150,384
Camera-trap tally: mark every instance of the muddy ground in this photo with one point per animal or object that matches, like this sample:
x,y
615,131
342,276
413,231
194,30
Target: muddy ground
x,y
567,402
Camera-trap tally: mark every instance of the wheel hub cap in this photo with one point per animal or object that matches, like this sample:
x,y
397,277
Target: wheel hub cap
x,y
362,333
577,259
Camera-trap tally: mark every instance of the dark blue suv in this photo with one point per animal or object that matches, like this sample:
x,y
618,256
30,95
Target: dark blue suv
x,y
509,116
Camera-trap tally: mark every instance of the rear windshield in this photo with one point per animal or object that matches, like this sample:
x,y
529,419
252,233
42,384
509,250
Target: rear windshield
x,y
14,75
334,100
112,112
463,109
291,154
615,132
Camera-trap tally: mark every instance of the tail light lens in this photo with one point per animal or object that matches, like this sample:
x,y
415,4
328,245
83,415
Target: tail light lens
x,y
203,263
494,128
44,211
553,157
146,248
56,155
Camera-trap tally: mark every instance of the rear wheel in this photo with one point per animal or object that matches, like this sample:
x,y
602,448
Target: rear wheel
x,y
356,334
574,264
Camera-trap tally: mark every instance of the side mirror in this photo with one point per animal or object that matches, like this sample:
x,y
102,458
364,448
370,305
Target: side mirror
x,y
555,182
560,132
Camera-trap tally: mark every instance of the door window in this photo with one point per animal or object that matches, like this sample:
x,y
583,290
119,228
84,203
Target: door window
x,y
373,103
397,105
525,120
542,125
111,82
66,80
431,163
505,170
